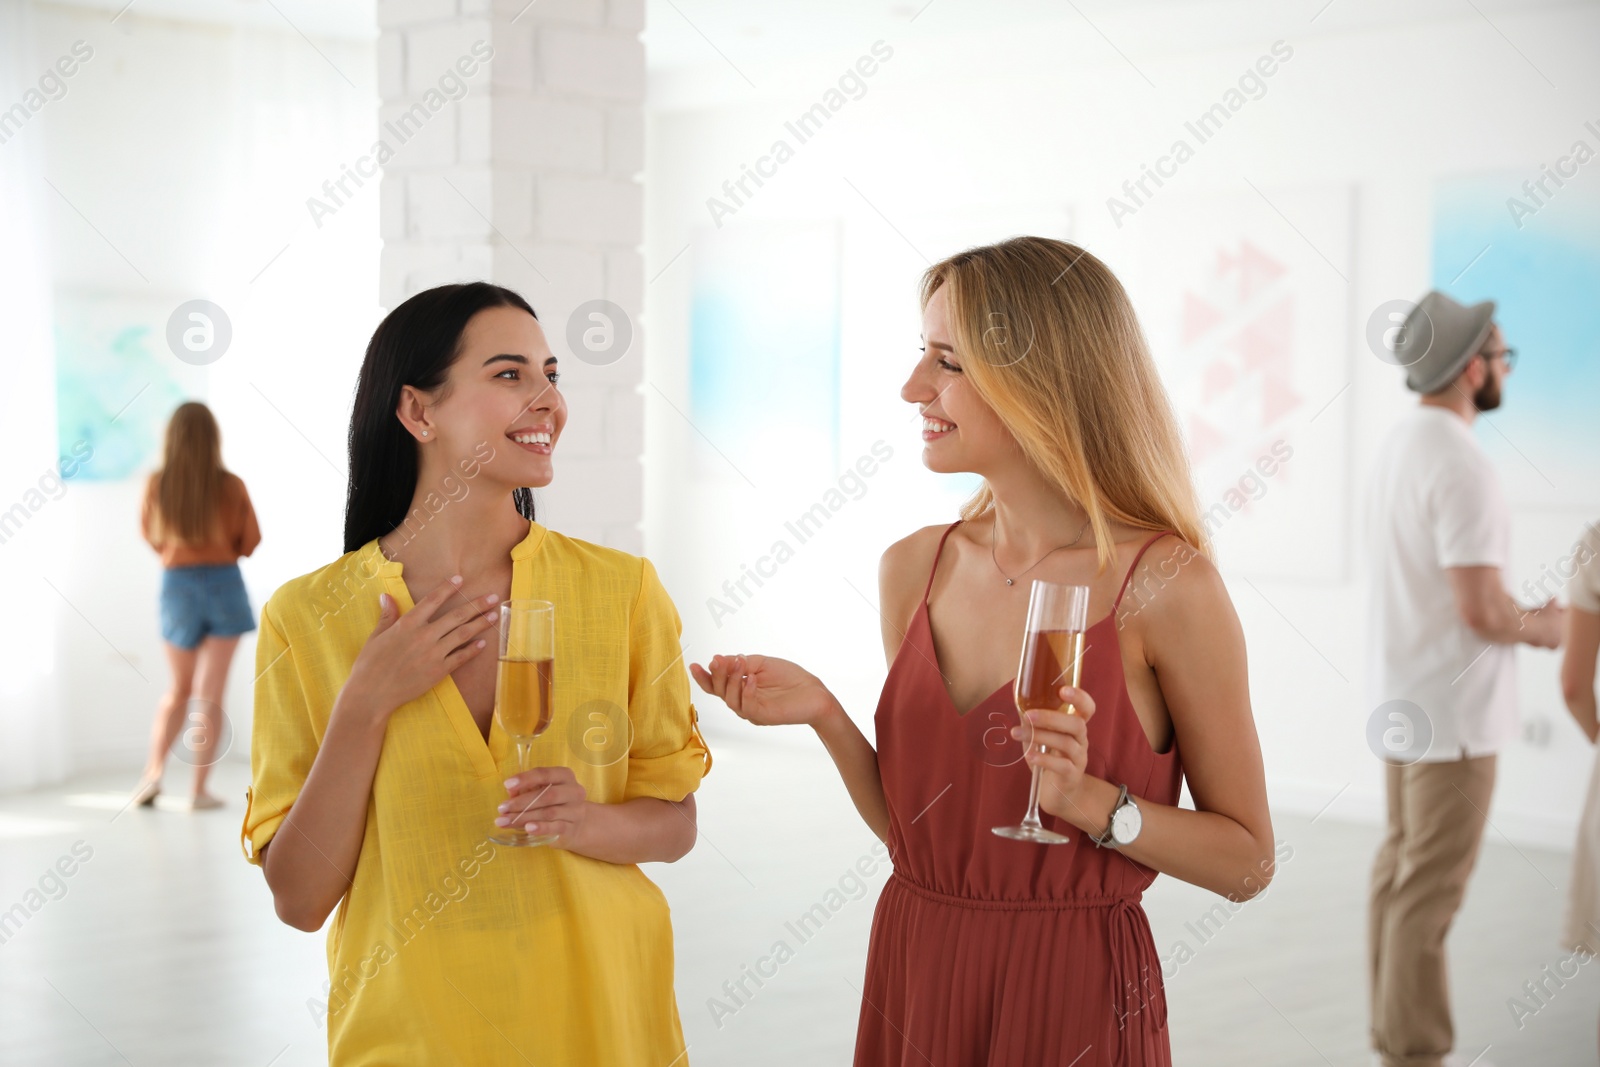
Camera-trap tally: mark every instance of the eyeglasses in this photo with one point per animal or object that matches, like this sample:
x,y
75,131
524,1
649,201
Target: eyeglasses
x,y
1508,352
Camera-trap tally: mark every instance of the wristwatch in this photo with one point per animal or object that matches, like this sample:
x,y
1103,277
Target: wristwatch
x,y
1124,824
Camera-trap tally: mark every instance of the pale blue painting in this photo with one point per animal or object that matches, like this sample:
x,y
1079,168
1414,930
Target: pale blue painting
x,y
1544,276
116,382
764,353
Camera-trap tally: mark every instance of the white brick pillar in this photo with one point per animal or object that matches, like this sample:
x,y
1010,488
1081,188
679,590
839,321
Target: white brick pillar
x,y
516,132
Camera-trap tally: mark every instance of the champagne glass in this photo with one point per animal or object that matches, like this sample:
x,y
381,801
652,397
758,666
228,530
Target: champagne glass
x,y
523,690
1052,656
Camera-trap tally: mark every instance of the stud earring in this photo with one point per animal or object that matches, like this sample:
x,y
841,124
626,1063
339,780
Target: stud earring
x,y
424,433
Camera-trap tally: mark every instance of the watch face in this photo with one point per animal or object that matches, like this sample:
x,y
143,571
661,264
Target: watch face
x,y
1125,824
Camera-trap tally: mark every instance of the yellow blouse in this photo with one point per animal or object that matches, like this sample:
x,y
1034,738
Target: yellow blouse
x,y
447,949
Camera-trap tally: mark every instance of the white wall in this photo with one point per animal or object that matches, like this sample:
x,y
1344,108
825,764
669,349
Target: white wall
x,y
531,182
192,149
977,129
973,130
187,152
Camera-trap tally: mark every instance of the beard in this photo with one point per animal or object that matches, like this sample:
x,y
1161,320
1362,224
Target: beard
x,y
1487,398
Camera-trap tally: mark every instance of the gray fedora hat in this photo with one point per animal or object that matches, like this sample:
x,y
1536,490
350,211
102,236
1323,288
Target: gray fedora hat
x,y
1439,338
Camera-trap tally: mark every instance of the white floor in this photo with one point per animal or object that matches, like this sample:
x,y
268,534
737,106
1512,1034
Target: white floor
x,y
161,947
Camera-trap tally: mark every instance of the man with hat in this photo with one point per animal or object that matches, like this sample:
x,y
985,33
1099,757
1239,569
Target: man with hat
x,y
1442,674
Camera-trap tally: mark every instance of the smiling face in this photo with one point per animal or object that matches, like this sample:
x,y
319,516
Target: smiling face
x,y
960,431
500,389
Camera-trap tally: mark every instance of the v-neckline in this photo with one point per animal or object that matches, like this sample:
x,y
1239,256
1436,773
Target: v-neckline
x,y
485,753
933,660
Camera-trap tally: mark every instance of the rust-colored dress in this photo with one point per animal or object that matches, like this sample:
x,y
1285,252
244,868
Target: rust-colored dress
x,y
987,951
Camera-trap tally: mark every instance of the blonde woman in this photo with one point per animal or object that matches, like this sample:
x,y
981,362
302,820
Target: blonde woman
x,y
990,951
197,516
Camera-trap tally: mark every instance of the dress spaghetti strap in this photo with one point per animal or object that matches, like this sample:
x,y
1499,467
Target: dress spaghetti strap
x,y
1142,548
937,553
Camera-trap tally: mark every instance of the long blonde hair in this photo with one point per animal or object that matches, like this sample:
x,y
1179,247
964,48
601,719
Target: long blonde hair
x,y
1052,344
189,483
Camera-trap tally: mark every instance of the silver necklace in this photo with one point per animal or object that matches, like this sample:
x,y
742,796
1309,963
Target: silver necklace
x,y
1012,581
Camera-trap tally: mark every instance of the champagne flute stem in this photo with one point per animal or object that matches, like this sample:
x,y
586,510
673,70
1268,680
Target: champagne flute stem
x,y
524,763
1033,797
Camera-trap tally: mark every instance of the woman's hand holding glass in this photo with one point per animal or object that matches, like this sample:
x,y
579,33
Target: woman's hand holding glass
x,y
546,800
1065,736
766,691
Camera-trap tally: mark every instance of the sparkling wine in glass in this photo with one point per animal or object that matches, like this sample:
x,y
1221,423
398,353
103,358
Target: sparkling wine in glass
x,y
524,690
1052,656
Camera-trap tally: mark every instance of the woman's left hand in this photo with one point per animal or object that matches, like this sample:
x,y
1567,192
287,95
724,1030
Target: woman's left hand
x,y
1066,737
546,800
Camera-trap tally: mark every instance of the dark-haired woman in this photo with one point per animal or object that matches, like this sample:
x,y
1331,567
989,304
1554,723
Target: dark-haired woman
x,y
379,770
197,515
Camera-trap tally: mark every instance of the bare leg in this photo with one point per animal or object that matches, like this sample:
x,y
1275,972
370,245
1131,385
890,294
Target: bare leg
x,y
210,679
169,712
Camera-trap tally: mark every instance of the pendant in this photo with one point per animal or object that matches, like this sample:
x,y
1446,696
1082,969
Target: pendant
x,y
1008,581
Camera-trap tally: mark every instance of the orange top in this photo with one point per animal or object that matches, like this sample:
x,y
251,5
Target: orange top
x,y
239,533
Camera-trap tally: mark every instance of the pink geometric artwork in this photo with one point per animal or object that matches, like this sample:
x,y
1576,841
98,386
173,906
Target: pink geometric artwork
x,y
1266,347
1204,439
1198,318
1245,339
1219,378
1246,306
1256,269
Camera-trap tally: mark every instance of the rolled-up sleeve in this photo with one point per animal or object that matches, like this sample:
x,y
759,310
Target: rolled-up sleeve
x,y
283,743
667,755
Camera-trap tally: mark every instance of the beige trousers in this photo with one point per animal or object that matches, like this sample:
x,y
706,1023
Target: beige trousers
x,y
1437,812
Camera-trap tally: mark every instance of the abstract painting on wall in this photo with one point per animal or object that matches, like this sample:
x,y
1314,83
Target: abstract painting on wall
x,y
116,381
1245,302
1536,253
764,352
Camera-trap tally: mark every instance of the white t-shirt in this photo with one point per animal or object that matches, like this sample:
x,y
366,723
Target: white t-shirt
x,y
1435,503
1583,592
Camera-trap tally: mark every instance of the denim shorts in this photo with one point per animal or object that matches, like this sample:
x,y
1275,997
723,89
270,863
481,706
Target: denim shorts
x,y
204,601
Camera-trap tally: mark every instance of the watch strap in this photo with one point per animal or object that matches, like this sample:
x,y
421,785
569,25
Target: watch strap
x,y
1104,839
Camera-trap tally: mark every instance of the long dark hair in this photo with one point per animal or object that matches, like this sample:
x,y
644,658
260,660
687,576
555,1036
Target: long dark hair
x,y
414,345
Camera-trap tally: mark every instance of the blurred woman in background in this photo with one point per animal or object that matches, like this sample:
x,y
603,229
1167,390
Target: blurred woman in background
x,y
197,515
1577,686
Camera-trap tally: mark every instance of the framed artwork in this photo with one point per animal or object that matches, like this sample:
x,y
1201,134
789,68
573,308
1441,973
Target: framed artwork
x,y
1534,249
116,381
1245,301
764,352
